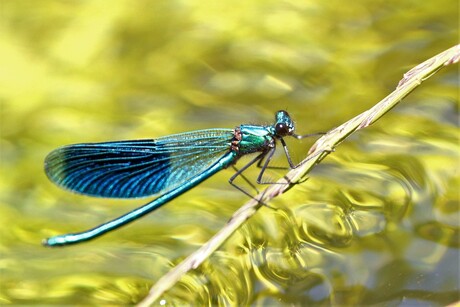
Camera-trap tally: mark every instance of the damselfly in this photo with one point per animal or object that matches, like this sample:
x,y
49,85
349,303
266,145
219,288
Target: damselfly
x,y
168,166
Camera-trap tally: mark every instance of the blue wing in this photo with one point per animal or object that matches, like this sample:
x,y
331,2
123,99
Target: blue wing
x,y
129,169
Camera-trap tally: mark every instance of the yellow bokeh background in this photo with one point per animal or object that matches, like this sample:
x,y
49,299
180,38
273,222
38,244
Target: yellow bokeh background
x,y
377,222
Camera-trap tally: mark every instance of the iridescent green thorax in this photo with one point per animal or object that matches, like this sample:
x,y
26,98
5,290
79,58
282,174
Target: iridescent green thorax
x,y
254,138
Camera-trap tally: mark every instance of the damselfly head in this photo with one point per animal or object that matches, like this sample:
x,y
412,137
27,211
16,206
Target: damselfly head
x,y
284,125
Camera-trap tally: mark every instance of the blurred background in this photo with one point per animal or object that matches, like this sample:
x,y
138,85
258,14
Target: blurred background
x,y
377,222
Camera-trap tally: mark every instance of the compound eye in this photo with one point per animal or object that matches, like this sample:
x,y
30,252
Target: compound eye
x,y
281,129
